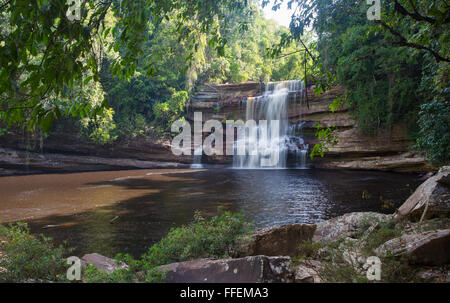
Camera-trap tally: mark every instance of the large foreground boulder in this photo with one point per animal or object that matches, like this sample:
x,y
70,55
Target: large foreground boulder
x,y
275,241
427,248
254,269
346,225
432,198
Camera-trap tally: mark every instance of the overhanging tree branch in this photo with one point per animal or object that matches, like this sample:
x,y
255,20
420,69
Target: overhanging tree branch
x,y
288,54
402,10
403,42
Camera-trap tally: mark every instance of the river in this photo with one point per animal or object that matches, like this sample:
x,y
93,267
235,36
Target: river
x,y
127,211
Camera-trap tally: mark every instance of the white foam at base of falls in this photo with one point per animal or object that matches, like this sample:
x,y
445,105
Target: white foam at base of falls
x,y
197,158
273,105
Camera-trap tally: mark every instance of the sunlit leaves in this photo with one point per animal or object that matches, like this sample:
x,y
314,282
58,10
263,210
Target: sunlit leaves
x,y
327,137
42,51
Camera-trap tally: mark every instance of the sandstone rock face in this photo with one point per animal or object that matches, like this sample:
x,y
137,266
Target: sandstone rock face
x,y
223,101
38,163
388,150
345,225
433,196
102,263
219,93
277,240
254,269
428,248
403,162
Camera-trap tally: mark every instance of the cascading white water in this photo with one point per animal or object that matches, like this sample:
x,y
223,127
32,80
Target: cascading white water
x,y
197,158
272,106
296,144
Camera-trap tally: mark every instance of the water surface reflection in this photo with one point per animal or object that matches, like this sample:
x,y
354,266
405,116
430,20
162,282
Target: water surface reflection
x,y
134,209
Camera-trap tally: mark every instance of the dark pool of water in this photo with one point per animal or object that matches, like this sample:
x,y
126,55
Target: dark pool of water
x,y
148,207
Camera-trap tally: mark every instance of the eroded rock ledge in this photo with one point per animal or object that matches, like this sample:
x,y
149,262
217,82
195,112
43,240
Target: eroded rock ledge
x,y
16,162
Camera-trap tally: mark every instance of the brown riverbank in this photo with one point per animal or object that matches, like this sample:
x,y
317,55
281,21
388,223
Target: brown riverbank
x,y
32,197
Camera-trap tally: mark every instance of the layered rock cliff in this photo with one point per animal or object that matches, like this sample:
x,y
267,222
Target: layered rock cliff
x,y
388,150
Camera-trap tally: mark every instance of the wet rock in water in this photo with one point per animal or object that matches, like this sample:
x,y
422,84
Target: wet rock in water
x,y
426,176
254,269
102,263
346,225
431,197
427,248
275,241
308,272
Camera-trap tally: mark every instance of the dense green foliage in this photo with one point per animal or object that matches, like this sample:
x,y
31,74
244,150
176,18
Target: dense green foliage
x,y
141,62
144,58
29,259
43,51
389,67
434,134
152,104
200,239
133,274
327,137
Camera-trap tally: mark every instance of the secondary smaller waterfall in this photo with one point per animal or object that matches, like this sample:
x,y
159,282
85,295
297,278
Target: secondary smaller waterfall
x,y
265,143
197,158
296,144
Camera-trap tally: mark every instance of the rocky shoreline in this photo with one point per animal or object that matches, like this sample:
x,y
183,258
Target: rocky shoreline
x,y
411,248
14,162
410,245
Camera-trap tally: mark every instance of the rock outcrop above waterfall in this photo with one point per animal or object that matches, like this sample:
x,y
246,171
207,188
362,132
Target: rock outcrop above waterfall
x,y
227,101
388,150
212,94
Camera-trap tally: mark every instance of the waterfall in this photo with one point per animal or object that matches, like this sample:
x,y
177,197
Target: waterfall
x,y
272,106
198,154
